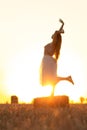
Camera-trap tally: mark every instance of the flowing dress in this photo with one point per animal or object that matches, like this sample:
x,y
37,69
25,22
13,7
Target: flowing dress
x,y
48,68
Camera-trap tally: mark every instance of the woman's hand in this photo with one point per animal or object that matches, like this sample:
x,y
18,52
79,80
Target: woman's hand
x,y
61,21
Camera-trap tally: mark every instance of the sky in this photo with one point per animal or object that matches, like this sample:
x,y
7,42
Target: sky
x,y
26,27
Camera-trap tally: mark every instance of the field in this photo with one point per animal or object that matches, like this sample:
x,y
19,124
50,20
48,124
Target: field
x,y
27,117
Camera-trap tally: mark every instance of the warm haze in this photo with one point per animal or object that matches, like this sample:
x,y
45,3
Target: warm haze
x,y
25,27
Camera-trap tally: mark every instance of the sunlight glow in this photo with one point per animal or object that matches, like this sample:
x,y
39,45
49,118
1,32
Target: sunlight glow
x,y
26,27
66,88
23,77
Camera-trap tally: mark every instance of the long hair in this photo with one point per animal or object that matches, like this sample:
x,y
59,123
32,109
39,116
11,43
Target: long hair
x,y
58,46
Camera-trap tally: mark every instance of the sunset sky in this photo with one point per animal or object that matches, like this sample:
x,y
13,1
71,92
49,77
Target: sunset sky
x,y
25,27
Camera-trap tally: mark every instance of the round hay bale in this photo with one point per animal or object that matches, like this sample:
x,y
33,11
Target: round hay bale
x,y
14,100
56,101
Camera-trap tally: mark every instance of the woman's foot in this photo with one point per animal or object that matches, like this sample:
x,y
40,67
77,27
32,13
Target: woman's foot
x,y
70,79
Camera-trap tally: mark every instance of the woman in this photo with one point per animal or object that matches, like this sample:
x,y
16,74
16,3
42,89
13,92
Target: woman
x,y
48,70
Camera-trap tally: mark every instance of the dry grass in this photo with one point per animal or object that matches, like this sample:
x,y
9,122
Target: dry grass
x,y
26,117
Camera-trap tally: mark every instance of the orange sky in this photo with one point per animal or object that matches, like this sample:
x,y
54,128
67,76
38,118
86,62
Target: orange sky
x,y
25,27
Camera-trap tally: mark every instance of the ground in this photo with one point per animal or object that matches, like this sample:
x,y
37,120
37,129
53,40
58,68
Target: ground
x,y
27,117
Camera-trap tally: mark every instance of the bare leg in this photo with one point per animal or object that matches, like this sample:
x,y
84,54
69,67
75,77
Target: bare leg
x,y
53,88
69,78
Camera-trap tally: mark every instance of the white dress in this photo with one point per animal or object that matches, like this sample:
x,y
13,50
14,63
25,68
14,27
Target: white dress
x,y
48,69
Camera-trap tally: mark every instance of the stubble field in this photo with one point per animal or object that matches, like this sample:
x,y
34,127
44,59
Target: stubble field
x,y
27,117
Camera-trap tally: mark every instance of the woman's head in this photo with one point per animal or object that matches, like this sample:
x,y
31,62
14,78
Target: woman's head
x,y
54,35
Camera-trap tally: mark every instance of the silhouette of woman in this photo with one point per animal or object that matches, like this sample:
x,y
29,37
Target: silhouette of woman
x,y
48,69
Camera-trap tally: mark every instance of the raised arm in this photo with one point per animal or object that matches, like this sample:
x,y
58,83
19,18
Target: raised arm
x,y
61,28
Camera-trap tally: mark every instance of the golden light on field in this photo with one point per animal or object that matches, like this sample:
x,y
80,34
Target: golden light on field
x,y
23,76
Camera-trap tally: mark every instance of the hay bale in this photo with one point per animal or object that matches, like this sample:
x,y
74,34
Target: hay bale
x,y
56,101
14,100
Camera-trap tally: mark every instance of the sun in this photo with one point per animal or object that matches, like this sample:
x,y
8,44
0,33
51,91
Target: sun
x,y
23,76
